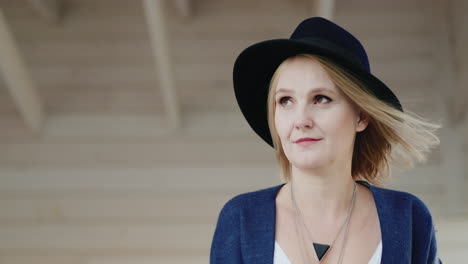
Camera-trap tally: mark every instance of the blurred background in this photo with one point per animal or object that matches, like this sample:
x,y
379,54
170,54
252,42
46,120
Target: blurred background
x,y
120,136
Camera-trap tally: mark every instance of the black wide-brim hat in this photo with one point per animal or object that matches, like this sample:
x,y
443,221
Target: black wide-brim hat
x,y
255,66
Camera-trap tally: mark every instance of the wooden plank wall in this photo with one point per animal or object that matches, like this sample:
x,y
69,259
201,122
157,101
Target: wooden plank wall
x,y
104,183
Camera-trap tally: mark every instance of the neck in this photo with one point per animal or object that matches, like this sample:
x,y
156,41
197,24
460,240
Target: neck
x,y
325,196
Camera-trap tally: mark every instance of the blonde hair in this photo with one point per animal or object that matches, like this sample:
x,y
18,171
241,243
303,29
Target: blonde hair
x,y
391,135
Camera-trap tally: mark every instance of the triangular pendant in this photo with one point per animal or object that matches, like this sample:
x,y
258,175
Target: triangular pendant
x,y
320,250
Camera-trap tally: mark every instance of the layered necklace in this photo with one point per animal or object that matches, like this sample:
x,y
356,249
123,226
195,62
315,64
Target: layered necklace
x,y
321,250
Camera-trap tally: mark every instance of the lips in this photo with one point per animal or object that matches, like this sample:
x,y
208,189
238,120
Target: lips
x,y
306,140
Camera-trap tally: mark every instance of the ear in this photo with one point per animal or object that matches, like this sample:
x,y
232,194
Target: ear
x,y
362,122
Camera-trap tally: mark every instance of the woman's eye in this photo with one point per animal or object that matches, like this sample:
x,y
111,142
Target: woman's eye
x,y
282,100
321,98
317,99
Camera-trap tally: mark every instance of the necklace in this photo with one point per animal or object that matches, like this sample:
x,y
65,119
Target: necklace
x,y
322,249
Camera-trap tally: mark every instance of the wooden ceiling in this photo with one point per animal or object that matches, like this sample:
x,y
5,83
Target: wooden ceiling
x,y
173,59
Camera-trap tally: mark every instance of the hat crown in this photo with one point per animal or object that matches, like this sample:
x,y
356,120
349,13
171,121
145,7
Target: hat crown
x,y
319,28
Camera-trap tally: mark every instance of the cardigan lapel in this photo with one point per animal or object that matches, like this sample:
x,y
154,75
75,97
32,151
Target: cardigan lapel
x,y
393,224
259,223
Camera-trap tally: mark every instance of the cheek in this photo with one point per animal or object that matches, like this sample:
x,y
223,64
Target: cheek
x,y
342,127
335,123
281,124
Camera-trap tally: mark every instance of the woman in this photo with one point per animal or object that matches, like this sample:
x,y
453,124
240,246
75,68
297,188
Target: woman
x,y
335,128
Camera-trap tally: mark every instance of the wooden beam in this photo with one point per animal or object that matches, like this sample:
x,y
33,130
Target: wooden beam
x,y
51,10
18,80
325,8
184,7
154,12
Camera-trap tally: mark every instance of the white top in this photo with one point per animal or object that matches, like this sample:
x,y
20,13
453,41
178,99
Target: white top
x,y
281,258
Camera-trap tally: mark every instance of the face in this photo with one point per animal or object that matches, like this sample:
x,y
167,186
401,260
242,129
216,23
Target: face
x,y
314,120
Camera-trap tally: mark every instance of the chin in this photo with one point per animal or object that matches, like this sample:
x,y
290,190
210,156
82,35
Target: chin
x,y
307,163
306,166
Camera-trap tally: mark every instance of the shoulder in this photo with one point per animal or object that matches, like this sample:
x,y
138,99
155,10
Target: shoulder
x,y
251,199
403,202
246,207
399,198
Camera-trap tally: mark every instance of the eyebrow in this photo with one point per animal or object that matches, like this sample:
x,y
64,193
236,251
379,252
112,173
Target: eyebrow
x,y
316,90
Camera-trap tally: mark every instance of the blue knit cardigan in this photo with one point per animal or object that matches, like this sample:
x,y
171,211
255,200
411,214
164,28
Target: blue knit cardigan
x,y
245,230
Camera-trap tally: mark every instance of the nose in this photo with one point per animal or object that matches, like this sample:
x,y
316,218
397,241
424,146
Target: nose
x,y
303,119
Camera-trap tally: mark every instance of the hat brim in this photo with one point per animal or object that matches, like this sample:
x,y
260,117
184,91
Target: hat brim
x,y
255,66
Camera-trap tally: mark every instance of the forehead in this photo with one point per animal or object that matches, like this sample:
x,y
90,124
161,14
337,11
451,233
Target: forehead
x,y
302,73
